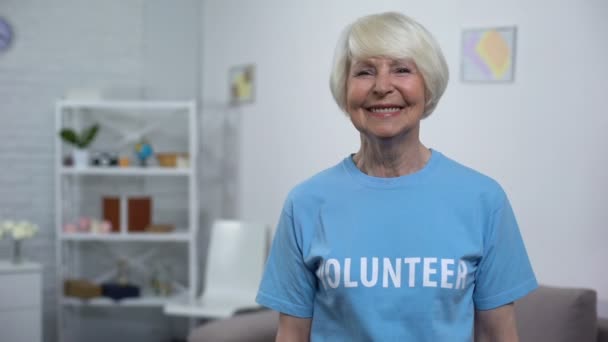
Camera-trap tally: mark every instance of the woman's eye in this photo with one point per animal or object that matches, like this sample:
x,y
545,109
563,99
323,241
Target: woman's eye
x,y
363,73
403,70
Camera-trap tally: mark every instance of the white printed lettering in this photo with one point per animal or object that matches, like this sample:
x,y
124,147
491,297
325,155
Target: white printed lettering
x,y
364,280
461,279
336,266
412,264
347,281
427,271
395,273
435,272
445,273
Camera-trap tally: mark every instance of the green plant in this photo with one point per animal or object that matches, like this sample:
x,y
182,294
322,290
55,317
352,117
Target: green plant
x,y
80,140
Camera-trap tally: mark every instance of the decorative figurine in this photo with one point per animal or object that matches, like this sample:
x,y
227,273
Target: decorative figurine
x,y
143,150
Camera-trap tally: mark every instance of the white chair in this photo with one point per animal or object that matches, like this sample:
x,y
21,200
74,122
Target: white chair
x,y
235,262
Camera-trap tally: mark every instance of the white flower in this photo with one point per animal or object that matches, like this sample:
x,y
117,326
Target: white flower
x,y
7,225
5,228
18,230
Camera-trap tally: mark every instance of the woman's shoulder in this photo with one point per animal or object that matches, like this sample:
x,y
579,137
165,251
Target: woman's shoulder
x,y
320,184
460,175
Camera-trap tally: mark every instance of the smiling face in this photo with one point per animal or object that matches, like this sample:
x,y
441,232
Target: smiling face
x,y
385,97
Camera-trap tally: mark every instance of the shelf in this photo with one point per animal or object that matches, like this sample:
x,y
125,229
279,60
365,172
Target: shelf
x,y
176,237
174,123
126,105
145,301
127,171
26,266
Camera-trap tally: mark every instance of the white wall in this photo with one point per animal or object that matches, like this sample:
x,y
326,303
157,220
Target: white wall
x,y
541,137
58,45
171,49
128,49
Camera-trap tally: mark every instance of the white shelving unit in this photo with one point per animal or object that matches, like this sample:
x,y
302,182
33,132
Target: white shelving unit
x,y
148,301
125,171
68,179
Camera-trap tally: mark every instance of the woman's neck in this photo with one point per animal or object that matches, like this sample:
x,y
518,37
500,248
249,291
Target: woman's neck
x,y
389,158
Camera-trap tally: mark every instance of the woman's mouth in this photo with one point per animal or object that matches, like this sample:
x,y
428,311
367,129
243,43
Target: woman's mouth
x,y
384,111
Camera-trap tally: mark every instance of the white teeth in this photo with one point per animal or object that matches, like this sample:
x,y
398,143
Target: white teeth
x,y
385,110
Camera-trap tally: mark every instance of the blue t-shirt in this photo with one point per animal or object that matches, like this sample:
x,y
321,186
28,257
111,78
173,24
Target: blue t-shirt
x,y
395,259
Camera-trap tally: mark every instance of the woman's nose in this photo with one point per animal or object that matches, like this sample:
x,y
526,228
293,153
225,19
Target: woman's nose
x,y
383,84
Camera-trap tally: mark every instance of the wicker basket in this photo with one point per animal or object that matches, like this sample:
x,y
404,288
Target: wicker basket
x,y
167,159
81,288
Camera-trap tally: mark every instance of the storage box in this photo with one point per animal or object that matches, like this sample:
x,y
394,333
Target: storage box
x,y
139,213
111,212
119,291
80,288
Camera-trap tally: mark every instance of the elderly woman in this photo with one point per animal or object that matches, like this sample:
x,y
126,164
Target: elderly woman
x,y
397,242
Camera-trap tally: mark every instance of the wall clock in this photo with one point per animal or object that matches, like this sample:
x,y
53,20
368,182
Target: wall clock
x,y
6,35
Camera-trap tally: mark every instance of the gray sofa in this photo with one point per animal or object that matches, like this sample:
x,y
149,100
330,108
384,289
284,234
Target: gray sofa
x,y
548,314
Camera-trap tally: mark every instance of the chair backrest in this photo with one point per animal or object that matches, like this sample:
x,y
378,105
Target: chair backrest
x,y
236,258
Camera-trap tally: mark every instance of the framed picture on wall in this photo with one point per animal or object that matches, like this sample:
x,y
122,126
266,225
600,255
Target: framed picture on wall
x,y
488,54
242,84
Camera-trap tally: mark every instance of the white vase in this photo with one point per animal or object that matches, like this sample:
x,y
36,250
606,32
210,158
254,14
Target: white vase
x,y
81,159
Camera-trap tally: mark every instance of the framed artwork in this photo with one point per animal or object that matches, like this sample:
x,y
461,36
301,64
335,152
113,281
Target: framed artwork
x,y
242,84
488,54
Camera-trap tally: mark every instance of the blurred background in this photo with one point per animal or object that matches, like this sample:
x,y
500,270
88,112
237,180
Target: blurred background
x,y
541,135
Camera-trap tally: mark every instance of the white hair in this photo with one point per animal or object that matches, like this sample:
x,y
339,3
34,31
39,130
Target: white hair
x,y
392,35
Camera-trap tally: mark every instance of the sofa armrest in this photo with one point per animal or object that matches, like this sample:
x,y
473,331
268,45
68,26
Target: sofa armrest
x,y
256,326
557,315
602,330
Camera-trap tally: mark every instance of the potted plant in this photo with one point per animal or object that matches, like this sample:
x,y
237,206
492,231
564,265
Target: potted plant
x,y
80,141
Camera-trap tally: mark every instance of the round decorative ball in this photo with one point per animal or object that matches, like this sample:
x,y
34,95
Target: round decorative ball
x,y
144,151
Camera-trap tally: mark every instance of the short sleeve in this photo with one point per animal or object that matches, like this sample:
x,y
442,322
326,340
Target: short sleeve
x,y
504,273
287,286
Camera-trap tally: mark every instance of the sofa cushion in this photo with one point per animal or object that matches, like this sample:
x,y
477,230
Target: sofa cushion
x,y
557,315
